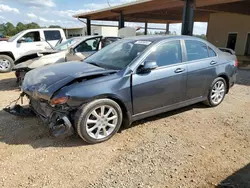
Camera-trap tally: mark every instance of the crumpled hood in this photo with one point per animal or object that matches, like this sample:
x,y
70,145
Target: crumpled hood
x,y
45,81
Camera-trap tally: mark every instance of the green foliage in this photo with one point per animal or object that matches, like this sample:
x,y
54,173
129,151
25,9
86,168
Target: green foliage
x,y
201,36
8,29
55,26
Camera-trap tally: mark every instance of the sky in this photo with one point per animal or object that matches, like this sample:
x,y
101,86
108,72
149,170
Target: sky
x,y
59,12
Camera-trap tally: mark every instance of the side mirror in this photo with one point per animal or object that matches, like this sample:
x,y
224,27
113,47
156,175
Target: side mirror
x,y
21,40
148,66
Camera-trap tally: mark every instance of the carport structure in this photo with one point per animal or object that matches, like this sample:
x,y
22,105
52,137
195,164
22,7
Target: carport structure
x,y
166,12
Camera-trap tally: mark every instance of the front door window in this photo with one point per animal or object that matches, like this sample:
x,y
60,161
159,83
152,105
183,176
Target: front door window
x,y
31,37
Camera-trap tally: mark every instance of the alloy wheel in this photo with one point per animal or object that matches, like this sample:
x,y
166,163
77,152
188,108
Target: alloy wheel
x,y
101,122
218,92
4,64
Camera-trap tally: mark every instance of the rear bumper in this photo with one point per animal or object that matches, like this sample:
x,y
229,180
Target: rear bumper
x,y
233,78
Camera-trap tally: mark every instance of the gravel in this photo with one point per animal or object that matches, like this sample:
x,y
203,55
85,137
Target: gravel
x,y
195,146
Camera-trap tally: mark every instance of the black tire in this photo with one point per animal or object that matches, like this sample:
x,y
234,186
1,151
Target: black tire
x,y
10,60
83,114
209,101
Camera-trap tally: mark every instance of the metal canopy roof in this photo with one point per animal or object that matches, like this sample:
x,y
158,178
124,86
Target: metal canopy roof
x,y
166,11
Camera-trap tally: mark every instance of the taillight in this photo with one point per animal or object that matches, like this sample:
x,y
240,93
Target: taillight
x,y
236,63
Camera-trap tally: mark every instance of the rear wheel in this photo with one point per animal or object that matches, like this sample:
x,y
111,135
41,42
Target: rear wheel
x,y
6,63
99,120
217,92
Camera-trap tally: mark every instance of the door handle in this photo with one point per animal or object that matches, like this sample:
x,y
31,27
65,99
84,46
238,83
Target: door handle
x,y
179,70
38,45
213,63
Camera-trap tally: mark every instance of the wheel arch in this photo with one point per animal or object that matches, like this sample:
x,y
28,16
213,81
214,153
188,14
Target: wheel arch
x,y
127,120
226,78
10,54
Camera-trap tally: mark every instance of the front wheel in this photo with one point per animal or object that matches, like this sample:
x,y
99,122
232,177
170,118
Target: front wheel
x,y
99,120
217,92
6,63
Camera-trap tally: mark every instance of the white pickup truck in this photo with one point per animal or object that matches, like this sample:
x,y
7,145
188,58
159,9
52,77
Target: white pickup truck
x,y
27,41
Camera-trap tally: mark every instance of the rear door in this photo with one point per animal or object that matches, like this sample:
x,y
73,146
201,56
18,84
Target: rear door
x,y
201,64
163,86
52,36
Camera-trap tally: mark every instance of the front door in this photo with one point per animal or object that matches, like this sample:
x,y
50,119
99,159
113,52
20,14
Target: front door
x,y
163,86
29,42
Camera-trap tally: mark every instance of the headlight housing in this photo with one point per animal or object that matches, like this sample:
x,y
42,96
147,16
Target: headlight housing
x,y
59,100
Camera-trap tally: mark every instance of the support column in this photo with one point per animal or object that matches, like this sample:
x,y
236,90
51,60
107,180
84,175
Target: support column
x,y
88,26
188,17
146,28
121,21
167,29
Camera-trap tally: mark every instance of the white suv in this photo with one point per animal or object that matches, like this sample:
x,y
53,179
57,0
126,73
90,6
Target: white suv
x,y
26,41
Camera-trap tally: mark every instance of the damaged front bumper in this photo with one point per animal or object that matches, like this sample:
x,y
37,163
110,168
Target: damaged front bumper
x,y
58,118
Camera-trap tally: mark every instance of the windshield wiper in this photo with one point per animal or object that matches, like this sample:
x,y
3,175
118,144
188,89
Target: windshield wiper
x,y
95,64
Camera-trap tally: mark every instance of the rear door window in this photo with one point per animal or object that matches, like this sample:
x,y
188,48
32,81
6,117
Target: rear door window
x,y
52,35
88,45
196,50
211,52
108,41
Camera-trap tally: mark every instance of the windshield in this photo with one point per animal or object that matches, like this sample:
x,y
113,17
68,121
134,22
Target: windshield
x,y
68,43
11,39
119,54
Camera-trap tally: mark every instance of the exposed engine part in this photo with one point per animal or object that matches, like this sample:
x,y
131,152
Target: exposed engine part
x,y
62,127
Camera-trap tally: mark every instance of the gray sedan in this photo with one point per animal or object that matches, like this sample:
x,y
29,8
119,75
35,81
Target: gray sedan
x,y
126,81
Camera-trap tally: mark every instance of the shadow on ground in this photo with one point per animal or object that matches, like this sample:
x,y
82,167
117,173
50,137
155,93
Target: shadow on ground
x,y
243,77
8,84
240,179
168,114
32,131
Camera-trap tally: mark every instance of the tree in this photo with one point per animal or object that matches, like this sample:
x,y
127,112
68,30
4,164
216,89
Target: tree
x,y
20,27
54,26
32,25
203,36
9,29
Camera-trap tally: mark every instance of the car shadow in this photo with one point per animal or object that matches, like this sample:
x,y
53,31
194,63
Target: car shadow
x,y
32,131
165,115
239,179
243,77
8,84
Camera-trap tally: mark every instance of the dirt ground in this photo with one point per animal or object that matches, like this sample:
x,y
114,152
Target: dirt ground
x,y
195,146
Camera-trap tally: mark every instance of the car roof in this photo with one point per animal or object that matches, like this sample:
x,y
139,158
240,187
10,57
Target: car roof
x,y
156,38
42,29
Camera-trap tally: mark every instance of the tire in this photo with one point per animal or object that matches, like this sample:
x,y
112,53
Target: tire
x,y
212,92
99,130
6,63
